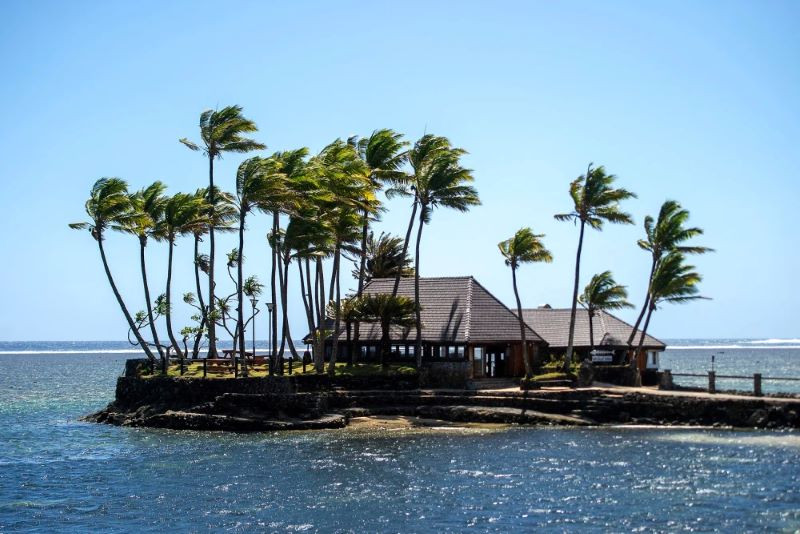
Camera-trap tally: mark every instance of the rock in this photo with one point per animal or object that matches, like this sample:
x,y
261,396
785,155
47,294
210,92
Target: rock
x,y
758,418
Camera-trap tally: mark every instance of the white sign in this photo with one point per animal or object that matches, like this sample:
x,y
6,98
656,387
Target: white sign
x,y
602,357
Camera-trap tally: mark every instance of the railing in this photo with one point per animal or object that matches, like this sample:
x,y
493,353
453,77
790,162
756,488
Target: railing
x,y
712,376
227,365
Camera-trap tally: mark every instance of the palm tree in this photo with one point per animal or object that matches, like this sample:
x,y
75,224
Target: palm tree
x,y
345,180
523,247
600,294
383,154
665,235
595,201
253,188
180,218
673,282
387,310
221,131
385,258
438,180
109,204
148,208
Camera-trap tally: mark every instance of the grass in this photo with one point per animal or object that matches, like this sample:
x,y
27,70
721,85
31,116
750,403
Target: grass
x,y
194,369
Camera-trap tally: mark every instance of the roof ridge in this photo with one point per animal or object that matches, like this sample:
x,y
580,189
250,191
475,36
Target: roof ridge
x,y
469,308
507,308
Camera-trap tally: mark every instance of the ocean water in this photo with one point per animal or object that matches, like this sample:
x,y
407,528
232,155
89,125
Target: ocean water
x,y
61,475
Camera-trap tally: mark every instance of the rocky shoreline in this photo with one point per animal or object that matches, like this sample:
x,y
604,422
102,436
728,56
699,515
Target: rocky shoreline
x,y
266,404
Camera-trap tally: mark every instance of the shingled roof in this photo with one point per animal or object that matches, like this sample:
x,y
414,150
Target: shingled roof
x,y
454,310
609,331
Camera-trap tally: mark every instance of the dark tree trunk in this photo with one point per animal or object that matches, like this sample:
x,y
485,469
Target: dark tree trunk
x,y
203,311
306,304
274,293
153,330
337,310
240,294
591,331
362,270
571,339
405,247
645,306
321,321
418,312
170,333
385,343
212,327
635,357
528,368
121,303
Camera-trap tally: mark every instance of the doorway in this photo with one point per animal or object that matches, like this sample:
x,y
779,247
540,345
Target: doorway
x,y
495,362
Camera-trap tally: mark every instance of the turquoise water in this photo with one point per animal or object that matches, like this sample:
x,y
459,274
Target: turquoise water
x,y
61,475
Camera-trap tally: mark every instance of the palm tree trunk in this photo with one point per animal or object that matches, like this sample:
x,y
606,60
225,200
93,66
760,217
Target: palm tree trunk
x,y
646,305
203,311
571,339
212,327
635,357
274,348
528,368
306,304
362,270
338,310
417,311
240,294
153,330
385,343
172,339
405,246
121,303
320,356
591,331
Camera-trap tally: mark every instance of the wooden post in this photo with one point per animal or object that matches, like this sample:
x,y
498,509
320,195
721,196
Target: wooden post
x,y
712,382
205,367
757,384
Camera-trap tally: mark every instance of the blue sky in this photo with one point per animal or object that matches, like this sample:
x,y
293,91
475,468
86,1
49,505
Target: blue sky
x,y
685,100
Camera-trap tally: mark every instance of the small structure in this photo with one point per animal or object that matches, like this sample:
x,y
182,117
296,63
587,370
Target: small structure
x,y
610,336
466,331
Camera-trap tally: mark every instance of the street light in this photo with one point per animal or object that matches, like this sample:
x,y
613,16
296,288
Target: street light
x,y
254,301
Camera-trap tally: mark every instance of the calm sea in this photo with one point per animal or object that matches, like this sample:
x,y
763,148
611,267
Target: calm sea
x,y
61,475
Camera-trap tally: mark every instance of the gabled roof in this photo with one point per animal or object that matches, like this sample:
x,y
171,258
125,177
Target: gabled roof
x,y
609,331
454,310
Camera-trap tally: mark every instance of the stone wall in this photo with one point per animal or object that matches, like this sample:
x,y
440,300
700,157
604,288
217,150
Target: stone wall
x,y
445,374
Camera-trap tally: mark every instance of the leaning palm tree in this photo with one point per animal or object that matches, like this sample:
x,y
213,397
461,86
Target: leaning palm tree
x,y
387,310
180,218
523,247
148,208
109,204
664,235
438,180
221,131
253,187
595,201
600,294
673,282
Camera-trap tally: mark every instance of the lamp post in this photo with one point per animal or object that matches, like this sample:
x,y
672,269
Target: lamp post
x,y
254,301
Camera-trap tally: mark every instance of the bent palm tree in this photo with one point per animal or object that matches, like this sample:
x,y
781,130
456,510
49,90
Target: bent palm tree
x,y
523,247
600,294
221,131
180,218
438,180
109,204
147,209
663,235
673,282
595,201
387,310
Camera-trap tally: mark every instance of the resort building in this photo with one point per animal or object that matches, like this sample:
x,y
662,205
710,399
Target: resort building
x,y
609,333
466,330
468,333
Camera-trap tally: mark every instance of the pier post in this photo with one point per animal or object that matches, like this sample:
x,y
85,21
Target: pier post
x,y
712,382
666,380
757,384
